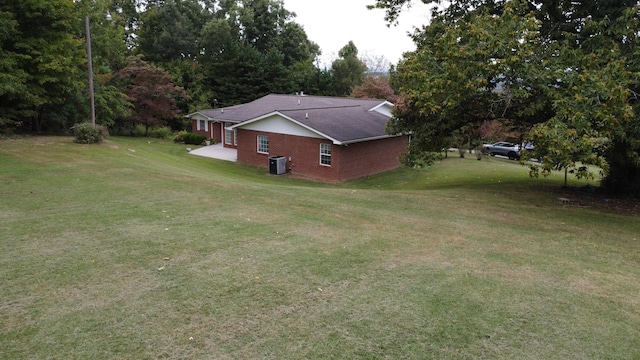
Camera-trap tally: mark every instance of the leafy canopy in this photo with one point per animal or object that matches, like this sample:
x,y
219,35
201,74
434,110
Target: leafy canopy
x,y
566,70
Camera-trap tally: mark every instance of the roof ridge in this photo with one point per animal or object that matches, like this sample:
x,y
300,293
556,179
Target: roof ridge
x,y
322,96
320,108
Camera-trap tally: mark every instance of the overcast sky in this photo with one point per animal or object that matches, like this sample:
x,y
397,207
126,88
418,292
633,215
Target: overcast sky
x,y
333,23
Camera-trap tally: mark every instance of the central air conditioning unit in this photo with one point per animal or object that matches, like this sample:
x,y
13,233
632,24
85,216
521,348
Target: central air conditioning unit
x,y
277,165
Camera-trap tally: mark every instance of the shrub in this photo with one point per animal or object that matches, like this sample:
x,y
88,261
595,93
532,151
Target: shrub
x,y
140,131
87,133
195,139
160,133
187,138
179,137
419,159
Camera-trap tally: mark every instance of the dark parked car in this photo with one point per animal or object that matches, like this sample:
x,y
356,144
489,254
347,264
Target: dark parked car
x,y
510,150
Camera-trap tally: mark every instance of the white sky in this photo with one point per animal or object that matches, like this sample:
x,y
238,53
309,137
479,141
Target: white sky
x,y
333,23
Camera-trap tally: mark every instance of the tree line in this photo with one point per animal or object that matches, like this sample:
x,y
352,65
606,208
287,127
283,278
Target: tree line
x,y
154,60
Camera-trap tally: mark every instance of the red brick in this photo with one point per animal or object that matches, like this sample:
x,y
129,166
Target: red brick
x,y
303,155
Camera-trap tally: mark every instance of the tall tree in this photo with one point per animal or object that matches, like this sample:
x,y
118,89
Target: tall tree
x,y
348,70
568,66
40,60
171,30
252,49
262,23
13,78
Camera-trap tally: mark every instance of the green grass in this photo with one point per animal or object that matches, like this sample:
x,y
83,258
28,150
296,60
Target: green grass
x,y
134,249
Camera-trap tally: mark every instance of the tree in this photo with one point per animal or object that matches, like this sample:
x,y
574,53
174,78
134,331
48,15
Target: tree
x,y
171,30
12,77
348,70
467,73
151,91
251,50
296,46
262,23
565,69
39,60
374,87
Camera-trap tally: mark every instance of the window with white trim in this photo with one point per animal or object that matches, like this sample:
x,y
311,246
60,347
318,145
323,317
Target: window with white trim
x,y
202,125
263,144
325,154
227,136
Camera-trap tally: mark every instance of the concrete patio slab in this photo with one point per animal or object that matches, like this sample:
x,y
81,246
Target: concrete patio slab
x,y
216,151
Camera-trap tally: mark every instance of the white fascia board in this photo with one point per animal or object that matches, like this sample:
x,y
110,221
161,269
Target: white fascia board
x,y
369,139
190,116
385,103
274,113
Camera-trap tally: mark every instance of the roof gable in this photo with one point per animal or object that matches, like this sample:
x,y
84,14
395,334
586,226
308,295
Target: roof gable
x,y
277,122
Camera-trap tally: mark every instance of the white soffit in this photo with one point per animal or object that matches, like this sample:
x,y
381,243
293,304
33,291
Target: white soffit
x,y
198,116
384,109
275,123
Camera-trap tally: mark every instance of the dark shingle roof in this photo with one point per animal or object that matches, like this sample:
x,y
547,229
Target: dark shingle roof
x,y
344,124
342,119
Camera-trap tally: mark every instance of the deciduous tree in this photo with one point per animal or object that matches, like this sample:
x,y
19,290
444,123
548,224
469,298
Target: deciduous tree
x,y
151,91
39,62
375,87
567,69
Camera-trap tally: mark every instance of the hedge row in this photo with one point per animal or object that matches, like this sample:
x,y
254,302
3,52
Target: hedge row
x,y
195,139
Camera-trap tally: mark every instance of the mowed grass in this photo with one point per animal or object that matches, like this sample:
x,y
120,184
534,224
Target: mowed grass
x,y
134,249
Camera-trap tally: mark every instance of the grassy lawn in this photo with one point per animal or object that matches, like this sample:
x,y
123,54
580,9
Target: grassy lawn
x,y
134,249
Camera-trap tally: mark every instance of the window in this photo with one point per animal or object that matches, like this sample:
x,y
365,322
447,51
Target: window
x,y
227,136
325,154
263,144
230,135
202,125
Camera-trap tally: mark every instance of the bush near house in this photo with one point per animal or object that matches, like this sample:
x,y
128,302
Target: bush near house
x,y
189,138
195,139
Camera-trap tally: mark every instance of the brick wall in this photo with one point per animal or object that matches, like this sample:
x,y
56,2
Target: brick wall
x,y
215,130
303,155
370,157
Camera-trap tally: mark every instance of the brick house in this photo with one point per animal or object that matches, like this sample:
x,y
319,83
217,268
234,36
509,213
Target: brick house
x,y
329,139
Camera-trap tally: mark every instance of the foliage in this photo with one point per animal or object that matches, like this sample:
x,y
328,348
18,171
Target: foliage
x,y
87,133
375,87
179,136
229,53
39,60
193,138
151,91
161,132
219,53
418,160
348,70
189,138
170,31
563,69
